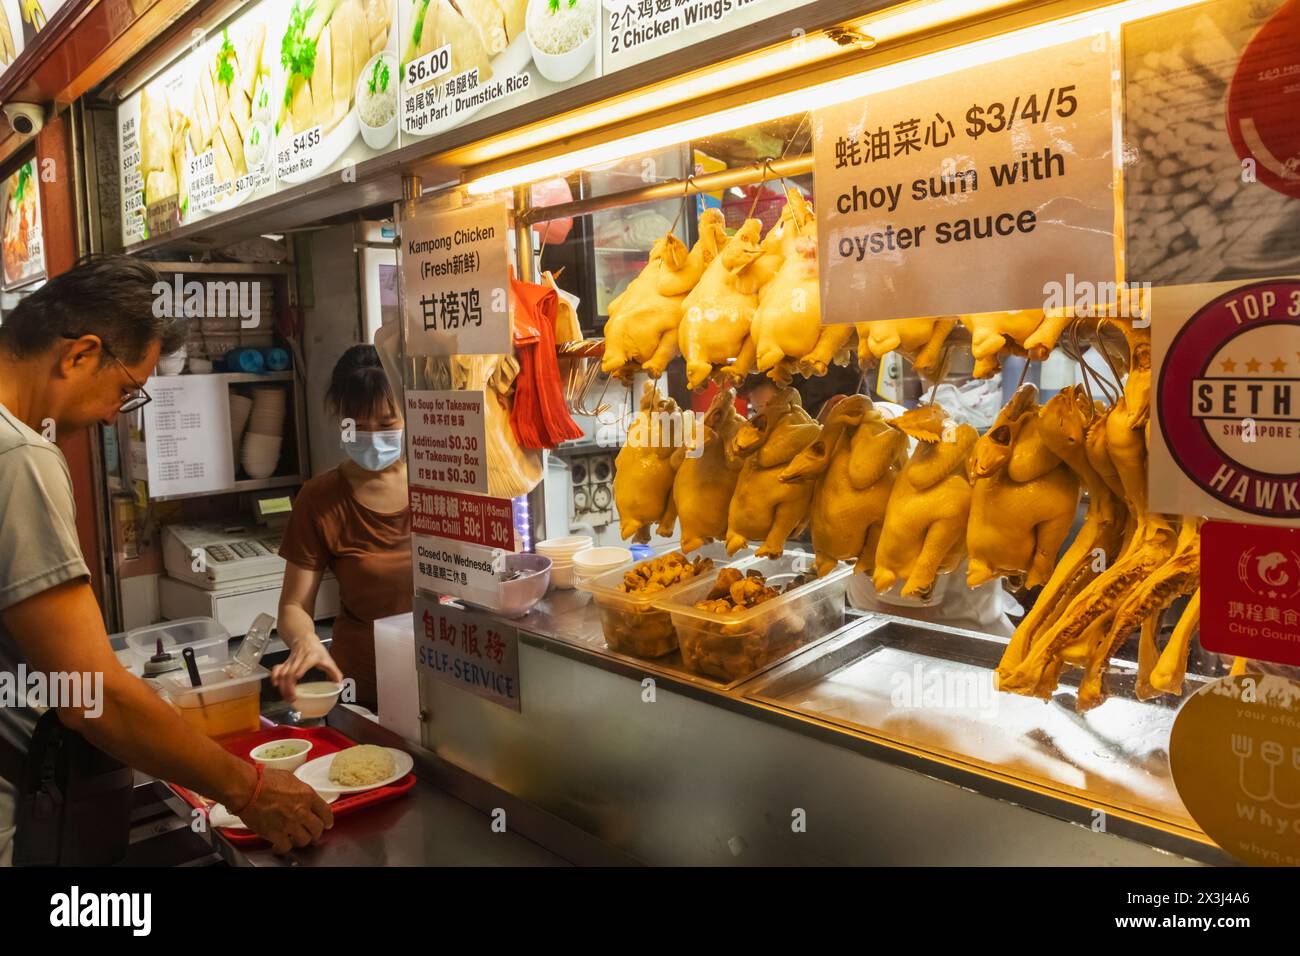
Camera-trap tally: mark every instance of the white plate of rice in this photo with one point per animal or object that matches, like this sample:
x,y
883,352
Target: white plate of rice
x,y
316,773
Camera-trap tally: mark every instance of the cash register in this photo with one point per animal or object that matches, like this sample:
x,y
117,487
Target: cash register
x,y
232,573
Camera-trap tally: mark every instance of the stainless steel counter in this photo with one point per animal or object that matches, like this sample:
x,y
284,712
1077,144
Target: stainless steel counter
x,y
676,768
615,760
445,820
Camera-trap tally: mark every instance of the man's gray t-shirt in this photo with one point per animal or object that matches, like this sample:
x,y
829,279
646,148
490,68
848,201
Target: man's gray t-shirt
x,y
38,550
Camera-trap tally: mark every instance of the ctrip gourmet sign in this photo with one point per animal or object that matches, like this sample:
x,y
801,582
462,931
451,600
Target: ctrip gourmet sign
x,y
1227,360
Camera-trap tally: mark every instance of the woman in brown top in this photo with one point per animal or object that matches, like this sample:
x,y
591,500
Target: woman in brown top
x,y
354,520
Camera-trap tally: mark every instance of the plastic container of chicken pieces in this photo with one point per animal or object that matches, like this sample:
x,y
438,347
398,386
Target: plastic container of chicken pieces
x,y
730,646
630,620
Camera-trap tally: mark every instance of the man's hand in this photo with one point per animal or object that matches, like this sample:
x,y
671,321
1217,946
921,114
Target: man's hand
x,y
307,653
287,813
60,631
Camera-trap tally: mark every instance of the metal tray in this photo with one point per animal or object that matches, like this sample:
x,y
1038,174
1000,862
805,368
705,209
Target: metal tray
x,y
930,688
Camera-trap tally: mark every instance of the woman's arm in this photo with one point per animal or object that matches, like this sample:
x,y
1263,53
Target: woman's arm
x,y
297,628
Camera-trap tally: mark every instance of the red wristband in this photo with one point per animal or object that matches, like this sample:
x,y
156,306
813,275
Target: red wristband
x,y
257,789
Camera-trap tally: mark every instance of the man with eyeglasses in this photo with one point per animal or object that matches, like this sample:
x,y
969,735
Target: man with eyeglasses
x,y
73,354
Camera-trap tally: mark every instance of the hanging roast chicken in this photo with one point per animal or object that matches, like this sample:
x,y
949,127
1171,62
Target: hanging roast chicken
x,y
714,332
853,466
925,521
706,477
764,509
644,469
1023,501
641,333
787,327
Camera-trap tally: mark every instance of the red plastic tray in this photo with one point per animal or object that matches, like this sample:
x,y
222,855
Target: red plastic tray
x,y
325,741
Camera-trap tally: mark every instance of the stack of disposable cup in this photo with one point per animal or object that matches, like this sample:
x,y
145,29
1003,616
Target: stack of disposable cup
x,y
593,562
261,451
561,551
241,406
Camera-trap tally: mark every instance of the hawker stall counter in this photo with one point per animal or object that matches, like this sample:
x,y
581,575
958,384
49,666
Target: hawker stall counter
x,y
816,759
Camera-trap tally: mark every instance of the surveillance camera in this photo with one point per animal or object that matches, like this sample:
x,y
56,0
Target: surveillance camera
x,y
25,118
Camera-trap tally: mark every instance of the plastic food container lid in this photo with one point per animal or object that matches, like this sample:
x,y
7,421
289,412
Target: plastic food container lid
x,y
209,639
681,601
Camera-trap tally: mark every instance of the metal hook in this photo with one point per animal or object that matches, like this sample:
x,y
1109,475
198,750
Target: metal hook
x,y
1075,351
1105,351
943,372
1023,373
686,195
758,190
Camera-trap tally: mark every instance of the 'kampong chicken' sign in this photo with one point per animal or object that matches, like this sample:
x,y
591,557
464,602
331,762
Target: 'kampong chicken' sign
x,y
456,280
1226,383
969,192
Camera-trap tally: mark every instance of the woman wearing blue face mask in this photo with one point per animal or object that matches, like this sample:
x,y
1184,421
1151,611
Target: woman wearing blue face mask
x,y
354,520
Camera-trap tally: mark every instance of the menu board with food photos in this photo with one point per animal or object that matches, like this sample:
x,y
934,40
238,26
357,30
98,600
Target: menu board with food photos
x,y
284,93
20,21
467,59
20,226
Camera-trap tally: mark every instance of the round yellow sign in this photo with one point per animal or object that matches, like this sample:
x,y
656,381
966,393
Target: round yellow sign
x,y
1235,758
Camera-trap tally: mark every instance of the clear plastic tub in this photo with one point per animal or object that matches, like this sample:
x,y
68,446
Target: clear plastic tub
x,y
728,647
211,641
222,705
632,623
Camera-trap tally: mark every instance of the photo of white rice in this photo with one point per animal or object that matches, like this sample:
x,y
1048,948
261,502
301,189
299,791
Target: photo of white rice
x,y
558,26
377,92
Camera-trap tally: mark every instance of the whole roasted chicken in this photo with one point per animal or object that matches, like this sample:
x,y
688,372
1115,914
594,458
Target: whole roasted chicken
x,y
920,340
854,465
1031,333
1023,501
925,522
706,477
644,470
641,333
764,508
787,326
716,315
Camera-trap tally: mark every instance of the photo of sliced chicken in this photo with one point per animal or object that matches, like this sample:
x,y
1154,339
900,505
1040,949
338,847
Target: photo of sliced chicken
x,y
222,112
344,35
8,52
438,23
162,148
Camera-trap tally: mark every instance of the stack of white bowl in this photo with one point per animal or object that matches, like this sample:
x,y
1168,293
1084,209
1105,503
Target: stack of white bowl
x,y
596,561
261,451
241,406
562,551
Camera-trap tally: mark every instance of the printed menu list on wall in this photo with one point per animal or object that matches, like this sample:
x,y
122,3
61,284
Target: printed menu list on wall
x,y
179,423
